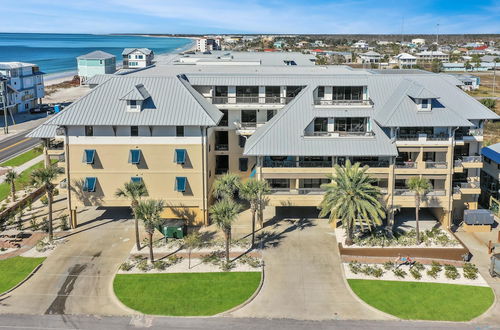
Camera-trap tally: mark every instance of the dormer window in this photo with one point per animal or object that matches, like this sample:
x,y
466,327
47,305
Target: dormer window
x,y
132,104
425,103
136,98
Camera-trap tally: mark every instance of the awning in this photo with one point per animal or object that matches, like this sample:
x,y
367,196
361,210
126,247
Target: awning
x,y
136,179
180,156
89,184
478,217
88,156
180,183
134,156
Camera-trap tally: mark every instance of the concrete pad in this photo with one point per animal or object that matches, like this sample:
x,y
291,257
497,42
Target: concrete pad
x,y
303,277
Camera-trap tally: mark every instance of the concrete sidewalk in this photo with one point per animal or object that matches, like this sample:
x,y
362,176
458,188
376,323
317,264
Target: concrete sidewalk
x,y
25,166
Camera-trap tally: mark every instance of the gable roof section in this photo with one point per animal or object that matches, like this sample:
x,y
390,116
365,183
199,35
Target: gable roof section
x,y
145,51
96,55
138,93
418,91
283,135
170,103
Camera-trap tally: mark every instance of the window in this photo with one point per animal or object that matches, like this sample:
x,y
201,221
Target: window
x,y
243,164
273,94
279,183
89,131
180,183
350,124
224,120
321,91
134,130
179,130
221,91
100,61
136,179
133,104
134,156
221,140
241,141
321,124
247,94
88,156
89,184
270,114
248,116
425,103
180,156
348,93
313,183
139,57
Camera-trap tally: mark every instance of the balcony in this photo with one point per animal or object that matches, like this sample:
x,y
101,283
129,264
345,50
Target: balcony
x,y
374,163
407,137
407,165
343,102
299,191
471,134
436,165
422,137
247,128
297,163
250,100
408,192
340,134
221,147
468,188
468,162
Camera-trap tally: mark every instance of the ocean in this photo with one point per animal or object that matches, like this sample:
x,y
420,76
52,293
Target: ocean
x,y
56,53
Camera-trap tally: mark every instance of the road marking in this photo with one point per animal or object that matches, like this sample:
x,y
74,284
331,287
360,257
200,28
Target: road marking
x,y
15,144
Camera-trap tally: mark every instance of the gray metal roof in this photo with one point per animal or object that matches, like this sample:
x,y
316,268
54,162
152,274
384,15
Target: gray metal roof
x,y
284,134
96,55
44,131
171,102
137,93
145,51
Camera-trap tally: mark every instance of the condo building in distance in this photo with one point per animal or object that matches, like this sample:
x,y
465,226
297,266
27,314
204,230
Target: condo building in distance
x,y
25,87
176,127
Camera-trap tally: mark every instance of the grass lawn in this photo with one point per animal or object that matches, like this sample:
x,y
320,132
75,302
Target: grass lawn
x,y
22,158
425,301
14,270
185,294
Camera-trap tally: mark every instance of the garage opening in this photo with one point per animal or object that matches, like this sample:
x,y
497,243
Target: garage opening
x,y
297,212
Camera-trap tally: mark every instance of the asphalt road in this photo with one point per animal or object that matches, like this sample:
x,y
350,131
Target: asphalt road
x,y
19,321
15,145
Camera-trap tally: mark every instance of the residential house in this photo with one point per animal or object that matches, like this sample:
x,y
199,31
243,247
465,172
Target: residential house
x,y
25,88
369,57
361,45
418,41
405,60
135,58
469,82
96,62
429,56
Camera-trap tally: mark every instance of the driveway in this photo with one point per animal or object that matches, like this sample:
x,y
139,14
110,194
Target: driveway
x,y
303,278
77,277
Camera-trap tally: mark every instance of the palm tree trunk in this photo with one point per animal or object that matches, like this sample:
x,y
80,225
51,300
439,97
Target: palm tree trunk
x,y
137,242
228,237
261,217
150,243
189,259
350,233
49,200
417,209
253,227
13,191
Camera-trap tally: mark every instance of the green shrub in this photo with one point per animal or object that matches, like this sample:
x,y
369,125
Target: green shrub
x,y
418,266
415,273
138,258
33,224
126,266
251,261
470,271
44,200
436,268
377,272
64,222
451,272
227,266
173,259
388,265
143,265
160,265
45,225
55,192
355,267
398,272
213,258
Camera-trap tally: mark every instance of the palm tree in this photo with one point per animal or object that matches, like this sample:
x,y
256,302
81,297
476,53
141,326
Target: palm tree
x,y
133,191
149,213
352,198
420,186
254,192
223,213
43,177
192,241
10,178
226,186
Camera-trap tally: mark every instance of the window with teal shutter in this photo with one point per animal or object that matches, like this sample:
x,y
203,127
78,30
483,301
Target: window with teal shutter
x,y
180,183
89,184
136,179
180,156
134,156
88,156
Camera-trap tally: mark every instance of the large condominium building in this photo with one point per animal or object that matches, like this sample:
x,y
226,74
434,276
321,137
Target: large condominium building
x,y
208,44
177,128
25,86
430,55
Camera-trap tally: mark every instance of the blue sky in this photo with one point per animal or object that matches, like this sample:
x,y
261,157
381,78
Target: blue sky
x,y
250,16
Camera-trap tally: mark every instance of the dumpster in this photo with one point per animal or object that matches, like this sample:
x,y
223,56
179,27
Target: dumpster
x,y
173,228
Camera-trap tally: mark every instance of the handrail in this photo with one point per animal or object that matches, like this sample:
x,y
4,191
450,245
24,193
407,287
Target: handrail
x,y
342,102
406,165
249,99
436,164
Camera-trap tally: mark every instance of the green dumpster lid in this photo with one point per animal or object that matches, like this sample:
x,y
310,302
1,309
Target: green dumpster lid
x,y
172,222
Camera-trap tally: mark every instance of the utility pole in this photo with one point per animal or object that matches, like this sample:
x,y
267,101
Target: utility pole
x,y
3,94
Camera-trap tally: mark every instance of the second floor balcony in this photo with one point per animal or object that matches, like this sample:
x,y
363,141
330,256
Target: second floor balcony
x,y
250,99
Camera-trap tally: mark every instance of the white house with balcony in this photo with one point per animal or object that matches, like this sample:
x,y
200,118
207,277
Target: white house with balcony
x,y
370,57
135,58
404,60
25,87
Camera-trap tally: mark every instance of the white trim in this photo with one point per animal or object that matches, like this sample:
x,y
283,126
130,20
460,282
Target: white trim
x,y
136,140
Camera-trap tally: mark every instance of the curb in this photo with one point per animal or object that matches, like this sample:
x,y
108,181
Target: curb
x,y
23,281
249,300
127,309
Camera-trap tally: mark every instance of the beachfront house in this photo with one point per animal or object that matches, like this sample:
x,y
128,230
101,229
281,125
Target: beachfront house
x,y
25,88
96,62
134,58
